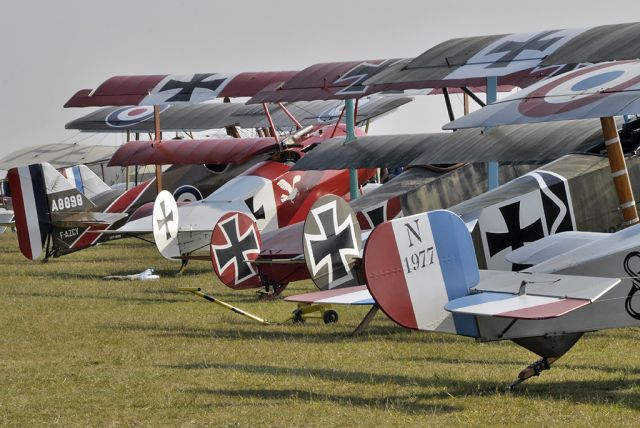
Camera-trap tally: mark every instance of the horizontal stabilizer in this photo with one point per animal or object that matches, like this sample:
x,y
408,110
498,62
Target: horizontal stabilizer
x,y
551,246
341,296
530,296
542,284
84,219
506,305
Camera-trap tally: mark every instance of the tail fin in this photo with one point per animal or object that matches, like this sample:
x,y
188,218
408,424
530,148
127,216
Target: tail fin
x,y
332,244
85,180
414,265
235,243
39,192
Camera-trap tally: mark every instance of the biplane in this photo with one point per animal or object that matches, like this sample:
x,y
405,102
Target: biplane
x,y
61,216
570,283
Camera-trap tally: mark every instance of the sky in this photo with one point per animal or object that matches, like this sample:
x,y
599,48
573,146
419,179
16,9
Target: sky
x,y
51,49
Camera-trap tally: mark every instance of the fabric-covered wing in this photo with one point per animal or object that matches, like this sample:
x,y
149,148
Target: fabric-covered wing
x,y
600,90
530,296
323,81
521,143
58,155
519,59
174,88
342,296
211,151
200,117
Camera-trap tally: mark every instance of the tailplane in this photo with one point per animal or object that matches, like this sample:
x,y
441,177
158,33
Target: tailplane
x,y
41,196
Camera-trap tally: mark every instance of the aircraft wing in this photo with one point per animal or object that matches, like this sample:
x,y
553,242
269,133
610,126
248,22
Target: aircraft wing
x,y
174,88
518,143
519,59
212,151
599,90
530,296
323,81
342,296
200,117
85,219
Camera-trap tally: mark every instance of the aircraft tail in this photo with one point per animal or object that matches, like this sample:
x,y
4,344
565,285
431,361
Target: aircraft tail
x,y
332,244
39,195
85,180
235,244
415,265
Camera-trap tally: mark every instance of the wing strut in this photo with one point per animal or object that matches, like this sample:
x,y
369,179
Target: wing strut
x,y
619,171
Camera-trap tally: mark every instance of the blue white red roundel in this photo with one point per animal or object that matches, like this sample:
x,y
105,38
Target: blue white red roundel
x,y
580,88
128,116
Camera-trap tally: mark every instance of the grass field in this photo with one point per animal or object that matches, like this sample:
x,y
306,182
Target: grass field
x,y
76,350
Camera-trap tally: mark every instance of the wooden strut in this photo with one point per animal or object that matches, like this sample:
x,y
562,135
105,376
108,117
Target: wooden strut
x,y
126,168
290,116
619,171
157,139
272,127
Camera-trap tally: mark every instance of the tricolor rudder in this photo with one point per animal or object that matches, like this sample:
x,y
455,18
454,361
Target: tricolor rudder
x,y
40,197
414,265
31,208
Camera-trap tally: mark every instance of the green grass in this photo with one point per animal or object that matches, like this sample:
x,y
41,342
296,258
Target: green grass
x,y
76,350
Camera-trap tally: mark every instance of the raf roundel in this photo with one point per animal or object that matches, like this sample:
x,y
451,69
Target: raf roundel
x,y
128,116
580,88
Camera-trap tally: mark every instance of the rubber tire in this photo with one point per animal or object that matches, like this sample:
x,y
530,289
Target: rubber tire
x,y
330,316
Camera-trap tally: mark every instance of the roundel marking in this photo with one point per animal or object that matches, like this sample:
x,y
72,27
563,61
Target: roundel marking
x,y
128,116
597,82
186,194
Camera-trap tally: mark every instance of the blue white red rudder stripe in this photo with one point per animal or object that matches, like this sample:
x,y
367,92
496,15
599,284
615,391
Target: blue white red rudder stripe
x,y
414,265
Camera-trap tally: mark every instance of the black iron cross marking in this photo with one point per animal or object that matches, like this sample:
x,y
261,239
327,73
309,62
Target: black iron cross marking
x,y
236,250
186,88
164,221
357,75
515,237
512,49
326,248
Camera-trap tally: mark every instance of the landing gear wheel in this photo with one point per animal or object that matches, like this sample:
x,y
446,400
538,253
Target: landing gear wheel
x,y
297,316
330,316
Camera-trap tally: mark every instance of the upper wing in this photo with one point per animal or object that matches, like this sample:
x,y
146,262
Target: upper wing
x,y
600,90
323,81
519,59
174,88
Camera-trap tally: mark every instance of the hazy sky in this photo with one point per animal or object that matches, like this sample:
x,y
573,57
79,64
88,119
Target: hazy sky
x,y
50,49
